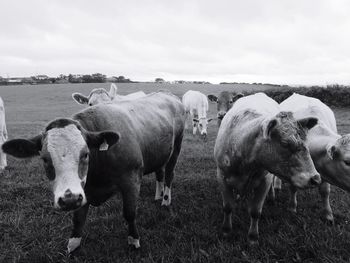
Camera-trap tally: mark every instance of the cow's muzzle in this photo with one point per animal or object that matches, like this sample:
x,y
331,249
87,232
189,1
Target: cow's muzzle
x,y
221,115
315,180
70,201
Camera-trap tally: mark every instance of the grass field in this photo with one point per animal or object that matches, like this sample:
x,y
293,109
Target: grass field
x,y
32,231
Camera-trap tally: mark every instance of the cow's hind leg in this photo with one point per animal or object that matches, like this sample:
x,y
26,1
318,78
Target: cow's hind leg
x,y
324,190
293,202
255,205
79,218
169,171
159,184
228,200
130,190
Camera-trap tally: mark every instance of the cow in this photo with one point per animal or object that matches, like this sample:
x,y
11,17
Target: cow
x,y
196,105
3,135
108,148
100,95
224,103
330,151
254,140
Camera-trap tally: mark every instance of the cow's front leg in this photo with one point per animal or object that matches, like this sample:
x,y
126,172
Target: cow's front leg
x,y
130,193
227,202
79,218
255,206
293,202
159,184
324,190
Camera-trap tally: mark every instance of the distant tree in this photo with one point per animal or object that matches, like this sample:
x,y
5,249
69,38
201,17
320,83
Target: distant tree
x,y
159,80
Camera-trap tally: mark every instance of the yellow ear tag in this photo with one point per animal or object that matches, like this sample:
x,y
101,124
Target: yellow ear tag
x,y
104,146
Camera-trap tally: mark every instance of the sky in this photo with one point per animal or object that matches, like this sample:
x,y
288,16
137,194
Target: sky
x,y
296,42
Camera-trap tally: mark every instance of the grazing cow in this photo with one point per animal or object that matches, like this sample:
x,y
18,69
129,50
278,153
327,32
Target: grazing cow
x,y
256,138
100,95
330,152
3,135
108,148
224,102
196,104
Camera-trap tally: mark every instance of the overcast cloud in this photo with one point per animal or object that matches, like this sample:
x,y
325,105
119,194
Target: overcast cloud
x,y
278,41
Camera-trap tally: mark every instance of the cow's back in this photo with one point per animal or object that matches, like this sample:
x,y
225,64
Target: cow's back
x,y
197,101
147,126
304,106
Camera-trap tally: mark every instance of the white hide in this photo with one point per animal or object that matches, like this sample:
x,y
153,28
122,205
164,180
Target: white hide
x,y
167,192
64,146
303,107
134,242
3,135
159,190
196,104
259,102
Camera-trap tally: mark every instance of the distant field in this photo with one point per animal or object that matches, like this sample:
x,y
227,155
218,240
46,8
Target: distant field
x,y
32,231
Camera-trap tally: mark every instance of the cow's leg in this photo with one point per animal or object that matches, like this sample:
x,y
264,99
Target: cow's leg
x,y
159,184
194,123
227,202
293,202
277,184
130,190
255,205
324,190
79,218
169,170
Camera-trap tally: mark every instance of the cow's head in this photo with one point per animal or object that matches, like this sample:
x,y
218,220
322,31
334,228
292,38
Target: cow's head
x,y
64,148
224,102
284,150
336,165
202,124
96,96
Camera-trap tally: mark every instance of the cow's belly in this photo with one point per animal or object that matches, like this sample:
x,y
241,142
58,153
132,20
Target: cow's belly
x,y
157,153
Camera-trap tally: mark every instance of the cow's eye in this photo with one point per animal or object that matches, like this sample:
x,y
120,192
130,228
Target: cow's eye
x,y
230,101
200,125
90,104
347,162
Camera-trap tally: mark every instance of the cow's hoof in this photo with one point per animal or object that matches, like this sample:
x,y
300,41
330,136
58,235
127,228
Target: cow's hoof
x,y
73,244
133,242
329,219
292,210
253,239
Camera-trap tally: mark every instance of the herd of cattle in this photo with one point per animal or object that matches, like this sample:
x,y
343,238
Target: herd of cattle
x,y
108,147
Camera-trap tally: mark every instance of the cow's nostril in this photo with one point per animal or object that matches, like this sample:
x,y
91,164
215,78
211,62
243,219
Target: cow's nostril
x,y
68,193
315,180
61,203
80,198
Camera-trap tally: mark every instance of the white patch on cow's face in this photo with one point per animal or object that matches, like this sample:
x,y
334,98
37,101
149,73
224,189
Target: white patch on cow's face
x,y
202,126
69,153
97,98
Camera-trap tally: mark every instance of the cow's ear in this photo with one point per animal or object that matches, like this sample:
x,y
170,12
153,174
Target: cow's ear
x,y
210,119
213,98
267,128
102,140
308,123
332,152
80,98
113,91
22,148
237,96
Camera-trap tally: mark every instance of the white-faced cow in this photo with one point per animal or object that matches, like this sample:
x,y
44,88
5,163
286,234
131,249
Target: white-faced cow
x,y
224,102
3,135
196,105
255,138
108,148
330,152
100,95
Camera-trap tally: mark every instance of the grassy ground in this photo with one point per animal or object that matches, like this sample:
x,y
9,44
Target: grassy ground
x,y
32,231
